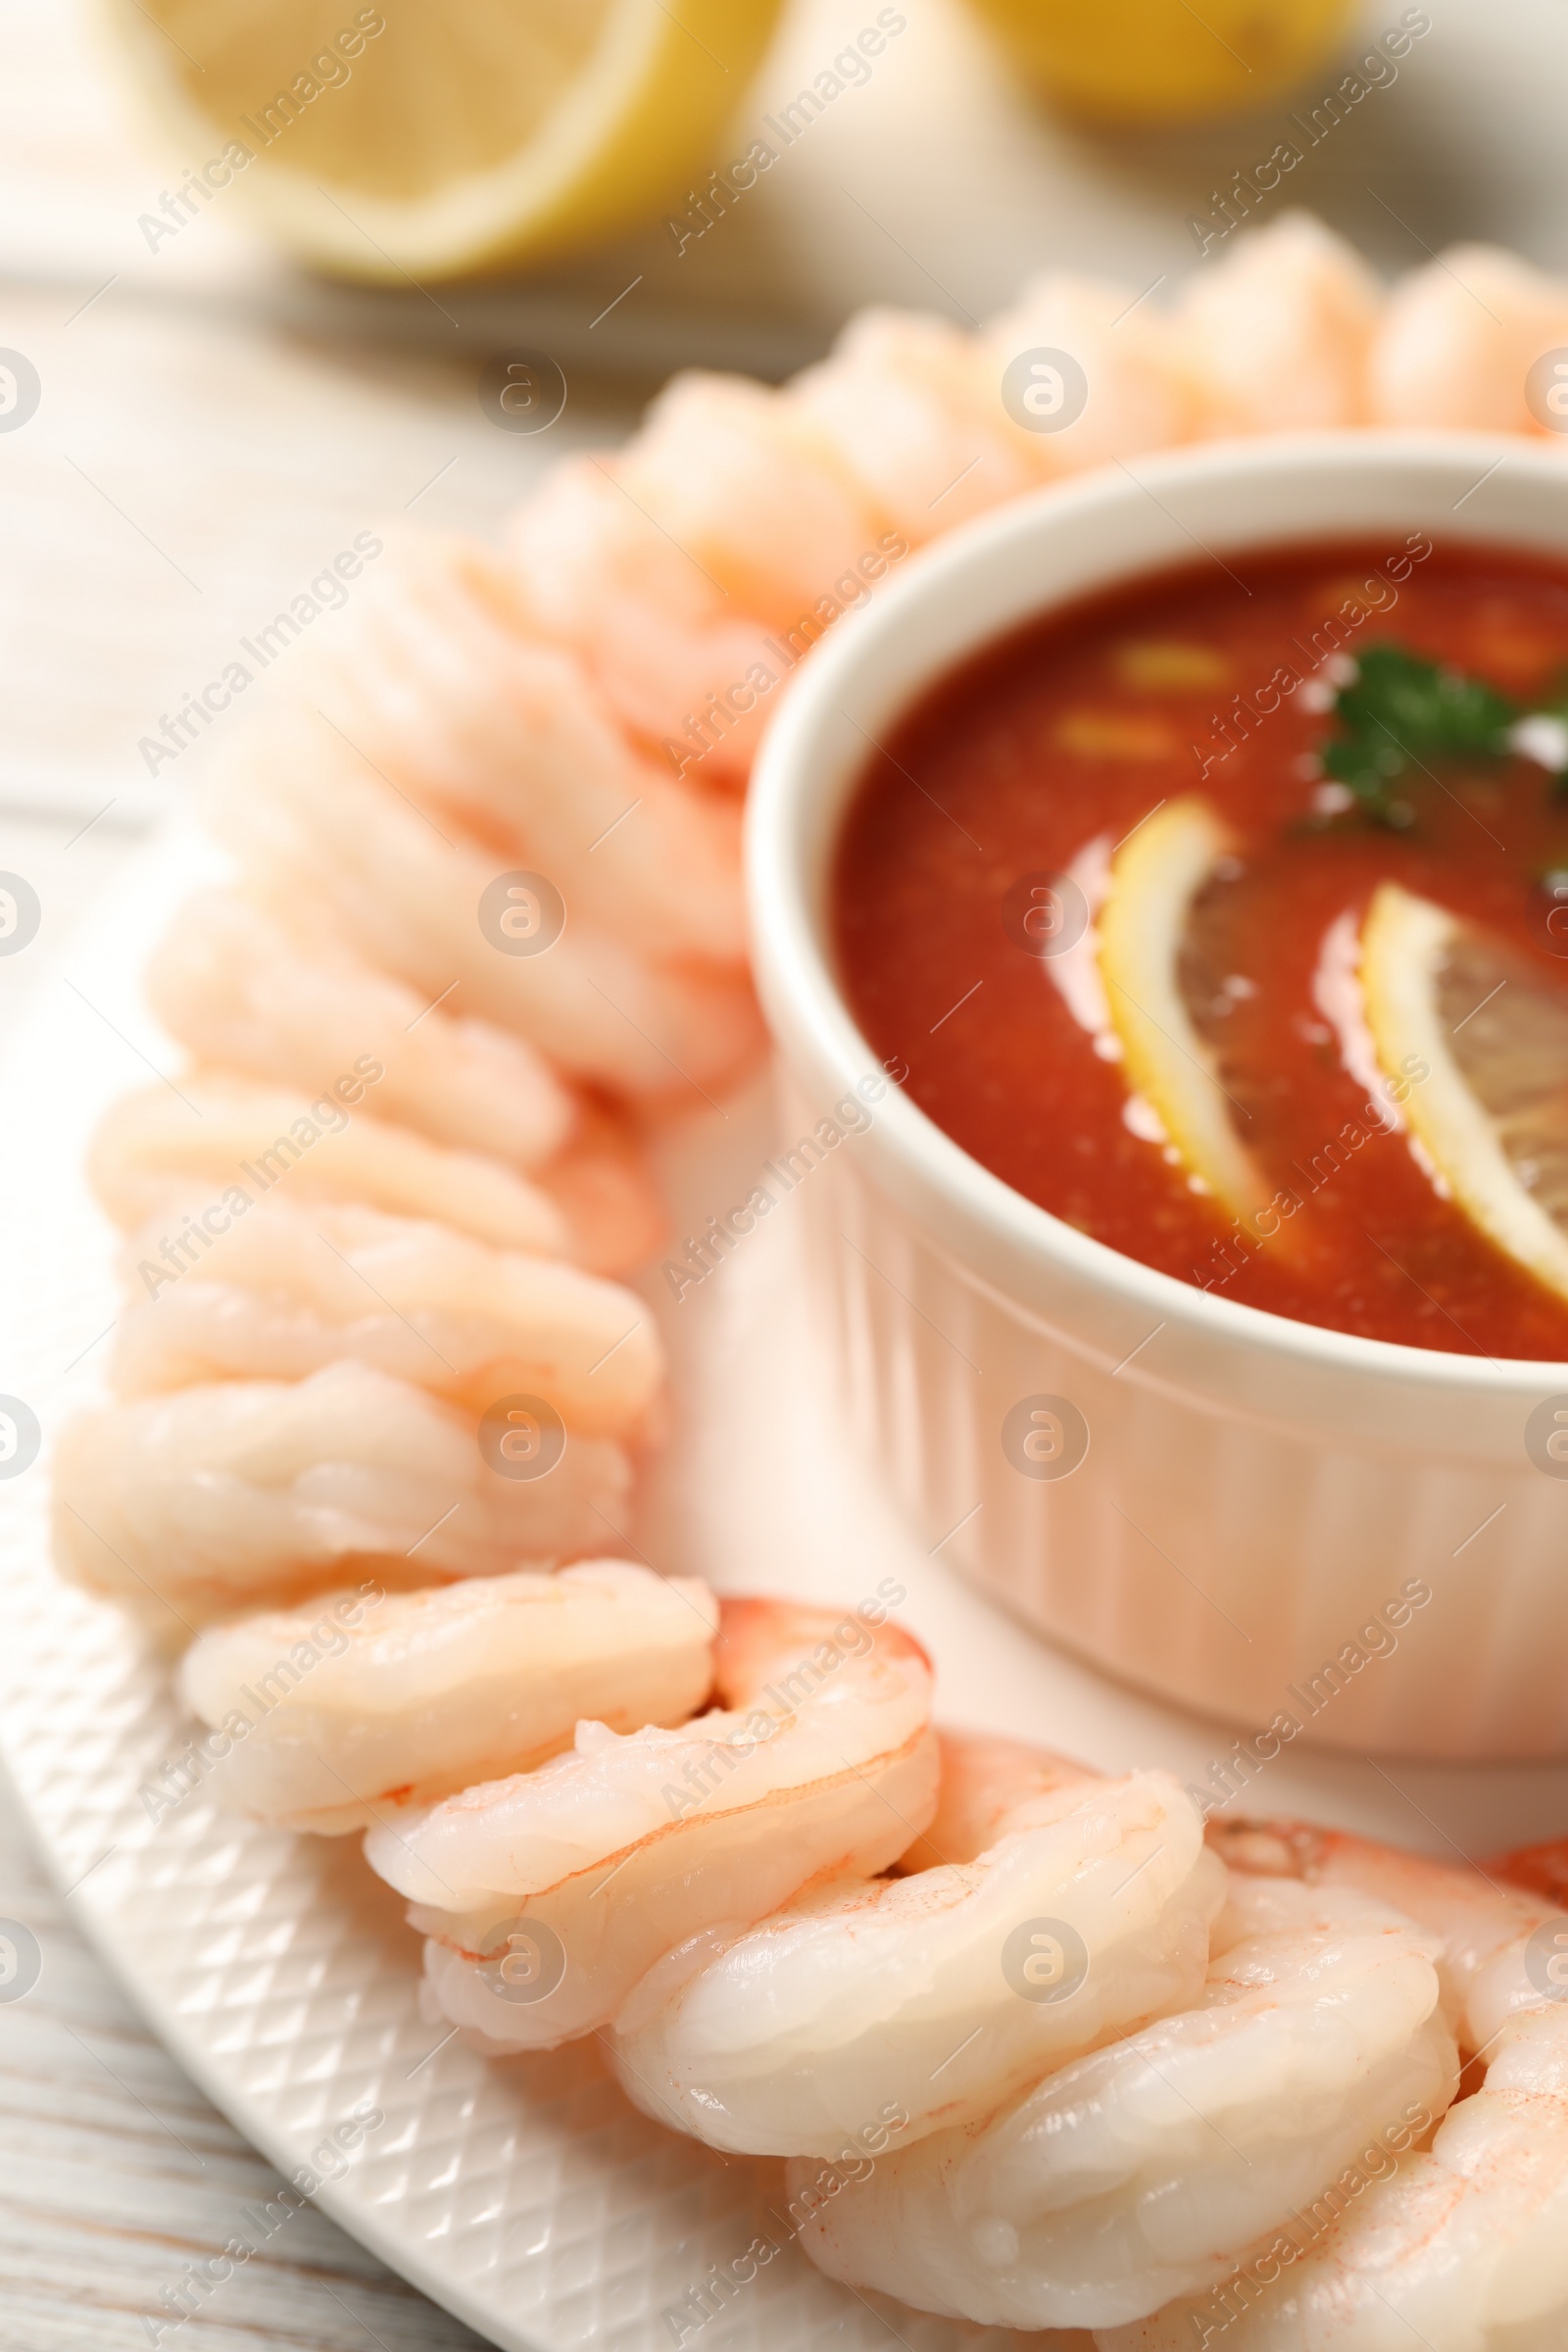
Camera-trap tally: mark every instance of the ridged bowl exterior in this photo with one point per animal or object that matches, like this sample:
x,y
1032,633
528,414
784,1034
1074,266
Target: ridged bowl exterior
x,y
1307,1534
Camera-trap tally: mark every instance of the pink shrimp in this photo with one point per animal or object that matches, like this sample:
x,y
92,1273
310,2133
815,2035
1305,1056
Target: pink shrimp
x,y
248,989
914,1993
321,833
750,491
1458,2247
817,1762
1278,332
1486,1927
1460,339
665,646
911,409
1140,396
441,686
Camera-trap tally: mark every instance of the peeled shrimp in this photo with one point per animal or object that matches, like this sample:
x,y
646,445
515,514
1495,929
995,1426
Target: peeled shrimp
x,y
441,687
749,491
985,1780
818,1761
603,1187
339,1724
914,1993
1140,397
916,415
662,641
1460,338
238,1139
1463,2249
1136,2173
213,1499
295,1284
1486,1927
1278,334
247,989
318,830
1536,1869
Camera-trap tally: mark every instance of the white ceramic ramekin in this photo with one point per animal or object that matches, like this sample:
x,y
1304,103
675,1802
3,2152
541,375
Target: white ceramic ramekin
x,y
1261,1502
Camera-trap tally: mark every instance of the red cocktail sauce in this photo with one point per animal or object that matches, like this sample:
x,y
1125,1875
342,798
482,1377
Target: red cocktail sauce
x,y
1080,725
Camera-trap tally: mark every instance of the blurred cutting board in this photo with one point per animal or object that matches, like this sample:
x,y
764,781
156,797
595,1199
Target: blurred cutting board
x,y
216,423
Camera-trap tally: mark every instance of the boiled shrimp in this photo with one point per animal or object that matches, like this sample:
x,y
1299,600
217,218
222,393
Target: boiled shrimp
x,y
985,1780
1140,396
1136,2173
1278,334
908,407
746,485
316,829
663,643
604,1186
245,989
1486,1927
237,1139
441,686
213,1499
1462,2247
915,1992
295,1284
1461,339
818,1760
341,1716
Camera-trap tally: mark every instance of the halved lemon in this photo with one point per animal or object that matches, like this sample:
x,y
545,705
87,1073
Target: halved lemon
x,y
1481,1043
436,136
1144,926
1161,61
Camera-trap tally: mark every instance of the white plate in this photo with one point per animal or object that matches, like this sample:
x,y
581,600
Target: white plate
x,y
525,2197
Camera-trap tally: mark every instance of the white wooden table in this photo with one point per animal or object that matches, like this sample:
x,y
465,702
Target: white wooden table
x,y
214,426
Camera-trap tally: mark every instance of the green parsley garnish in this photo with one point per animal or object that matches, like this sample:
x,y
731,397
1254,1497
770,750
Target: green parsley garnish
x,y
1403,713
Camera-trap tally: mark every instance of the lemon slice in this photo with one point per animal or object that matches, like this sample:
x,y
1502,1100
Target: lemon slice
x,y
436,136
1148,61
1154,878
1491,1112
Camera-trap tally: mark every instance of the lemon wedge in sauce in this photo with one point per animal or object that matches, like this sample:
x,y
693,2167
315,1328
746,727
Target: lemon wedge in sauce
x,y
1482,1043
1156,875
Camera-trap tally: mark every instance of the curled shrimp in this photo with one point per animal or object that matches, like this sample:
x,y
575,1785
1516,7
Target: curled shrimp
x,y
247,989
252,990
1278,334
318,830
1460,338
818,1760
914,413
743,481
915,1992
603,1187
357,1708
1136,2173
233,1140
984,1780
195,1505
1462,2246
442,686
1140,395
295,1284
662,642
1486,1927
